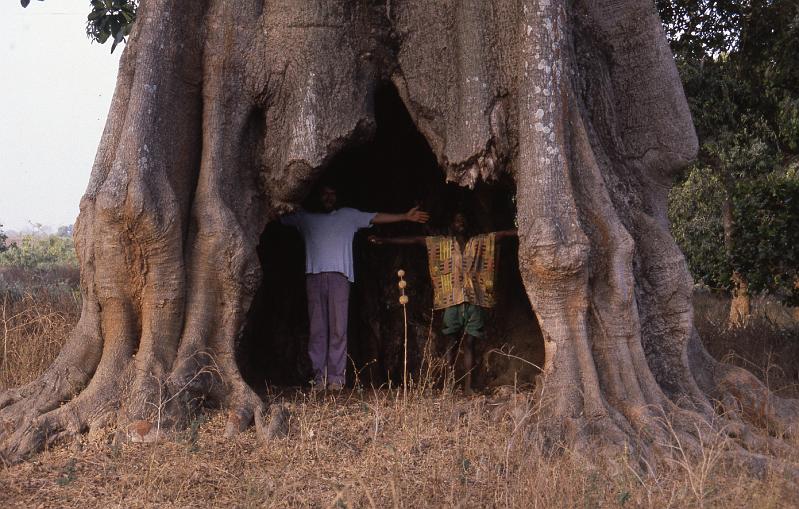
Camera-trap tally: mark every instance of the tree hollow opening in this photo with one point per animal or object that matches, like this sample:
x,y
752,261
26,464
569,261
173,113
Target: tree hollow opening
x,y
390,172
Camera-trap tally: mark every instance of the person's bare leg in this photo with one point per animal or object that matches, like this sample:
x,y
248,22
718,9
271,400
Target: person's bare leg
x,y
451,354
450,349
468,362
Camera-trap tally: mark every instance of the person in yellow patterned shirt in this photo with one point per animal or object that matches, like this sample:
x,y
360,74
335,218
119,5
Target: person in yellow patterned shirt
x,y
462,270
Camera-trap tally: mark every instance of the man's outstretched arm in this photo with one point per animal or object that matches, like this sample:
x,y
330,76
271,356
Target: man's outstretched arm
x,y
415,215
503,234
399,241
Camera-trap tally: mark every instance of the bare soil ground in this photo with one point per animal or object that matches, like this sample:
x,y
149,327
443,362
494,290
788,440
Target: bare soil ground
x,y
376,448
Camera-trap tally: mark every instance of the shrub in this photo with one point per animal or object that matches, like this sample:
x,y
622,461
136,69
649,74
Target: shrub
x,y
40,252
765,240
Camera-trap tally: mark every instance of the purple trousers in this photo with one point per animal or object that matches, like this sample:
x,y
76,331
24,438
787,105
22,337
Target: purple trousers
x,y
328,301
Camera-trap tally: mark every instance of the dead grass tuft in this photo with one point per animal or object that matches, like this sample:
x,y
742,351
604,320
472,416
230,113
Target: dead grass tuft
x,y
34,323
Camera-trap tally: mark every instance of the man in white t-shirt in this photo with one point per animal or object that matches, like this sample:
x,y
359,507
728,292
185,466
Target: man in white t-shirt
x,y
329,271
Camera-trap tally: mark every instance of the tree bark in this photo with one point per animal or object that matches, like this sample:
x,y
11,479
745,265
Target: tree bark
x,y
226,113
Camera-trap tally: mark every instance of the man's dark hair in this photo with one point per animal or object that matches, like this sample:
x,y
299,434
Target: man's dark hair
x,y
467,216
313,202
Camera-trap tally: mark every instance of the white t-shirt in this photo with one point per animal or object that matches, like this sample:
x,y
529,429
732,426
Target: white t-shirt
x,y
328,238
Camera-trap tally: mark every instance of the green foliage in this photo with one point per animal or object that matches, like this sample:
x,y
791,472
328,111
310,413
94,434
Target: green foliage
x,y
40,252
3,238
767,237
700,27
739,63
111,19
766,215
694,207
108,20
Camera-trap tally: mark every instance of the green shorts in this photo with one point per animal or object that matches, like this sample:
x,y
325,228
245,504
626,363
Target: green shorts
x,y
464,317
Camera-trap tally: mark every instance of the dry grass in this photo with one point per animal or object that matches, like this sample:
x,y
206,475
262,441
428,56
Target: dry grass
x,y
373,450
37,312
368,448
768,345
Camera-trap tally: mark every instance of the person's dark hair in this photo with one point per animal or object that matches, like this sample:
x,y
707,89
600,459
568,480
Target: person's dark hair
x,y
467,216
313,202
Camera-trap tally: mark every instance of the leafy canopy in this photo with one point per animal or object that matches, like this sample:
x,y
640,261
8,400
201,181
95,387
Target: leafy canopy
x,y
108,20
739,63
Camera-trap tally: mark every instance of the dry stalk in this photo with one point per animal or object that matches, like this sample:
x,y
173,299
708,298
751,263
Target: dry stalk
x,y
404,301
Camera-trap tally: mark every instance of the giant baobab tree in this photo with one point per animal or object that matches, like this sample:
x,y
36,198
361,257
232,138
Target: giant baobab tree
x,y
226,113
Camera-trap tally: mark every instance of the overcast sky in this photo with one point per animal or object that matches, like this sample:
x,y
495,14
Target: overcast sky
x,y
55,90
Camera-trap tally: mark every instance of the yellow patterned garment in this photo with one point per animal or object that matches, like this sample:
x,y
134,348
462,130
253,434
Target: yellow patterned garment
x,y
460,277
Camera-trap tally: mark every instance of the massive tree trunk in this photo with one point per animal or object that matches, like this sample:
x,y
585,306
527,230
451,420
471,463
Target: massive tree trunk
x,y
226,113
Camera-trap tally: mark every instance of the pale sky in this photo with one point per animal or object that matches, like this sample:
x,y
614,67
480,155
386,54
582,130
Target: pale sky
x,y
55,91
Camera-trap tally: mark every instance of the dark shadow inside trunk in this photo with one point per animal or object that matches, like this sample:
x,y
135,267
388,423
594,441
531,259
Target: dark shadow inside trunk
x,y
391,172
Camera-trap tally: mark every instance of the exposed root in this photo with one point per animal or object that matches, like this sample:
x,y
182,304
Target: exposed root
x,y
761,466
100,426
586,440
51,385
38,397
605,432
275,426
189,386
43,431
741,392
92,411
649,435
245,404
754,442
238,420
69,374
35,429
693,439
741,395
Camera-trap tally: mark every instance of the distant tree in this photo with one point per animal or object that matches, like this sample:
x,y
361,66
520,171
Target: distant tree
x,y
108,20
38,228
739,65
3,238
65,231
